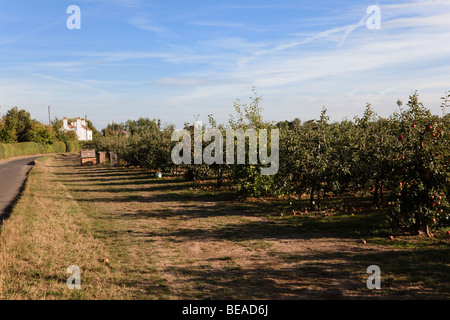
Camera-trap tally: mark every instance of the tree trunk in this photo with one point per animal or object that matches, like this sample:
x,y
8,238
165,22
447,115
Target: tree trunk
x,y
378,193
312,206
318,200
427,231
381,193
375,194
219,176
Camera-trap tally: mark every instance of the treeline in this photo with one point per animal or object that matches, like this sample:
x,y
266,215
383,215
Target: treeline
x,y
402,160
143,142
21,135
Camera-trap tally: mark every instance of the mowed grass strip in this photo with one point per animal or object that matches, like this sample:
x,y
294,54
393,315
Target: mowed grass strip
x,y
45,234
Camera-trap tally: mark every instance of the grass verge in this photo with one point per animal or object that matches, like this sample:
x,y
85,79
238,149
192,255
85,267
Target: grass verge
x,y
46,233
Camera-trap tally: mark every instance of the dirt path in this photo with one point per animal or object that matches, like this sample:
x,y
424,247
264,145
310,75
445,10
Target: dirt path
x,y
174,243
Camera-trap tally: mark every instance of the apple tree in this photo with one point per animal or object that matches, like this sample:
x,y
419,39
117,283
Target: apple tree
x,y
421,175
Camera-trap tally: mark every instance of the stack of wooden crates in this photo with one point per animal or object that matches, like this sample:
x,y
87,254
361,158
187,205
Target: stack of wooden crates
x,y
88,158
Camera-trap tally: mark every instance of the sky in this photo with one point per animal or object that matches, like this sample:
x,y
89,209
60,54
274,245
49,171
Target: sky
x,y
183,60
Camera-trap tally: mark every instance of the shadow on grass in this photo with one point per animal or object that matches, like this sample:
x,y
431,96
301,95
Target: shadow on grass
x,y
421,274
189,204
248,224
261,282
144,186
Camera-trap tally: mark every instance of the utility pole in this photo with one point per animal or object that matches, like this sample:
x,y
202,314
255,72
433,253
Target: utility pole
x,y
49,117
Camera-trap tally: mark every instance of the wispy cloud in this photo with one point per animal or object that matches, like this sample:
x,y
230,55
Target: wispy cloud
x,y
337,34
181,82
372,65
148,24
441,20
227,24
114,56
122,3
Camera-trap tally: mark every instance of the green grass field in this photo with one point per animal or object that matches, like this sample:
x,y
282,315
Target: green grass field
x,y
171,239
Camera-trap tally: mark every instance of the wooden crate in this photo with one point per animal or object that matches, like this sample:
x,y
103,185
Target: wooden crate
x,y
88,161
113,159
88,157
102,157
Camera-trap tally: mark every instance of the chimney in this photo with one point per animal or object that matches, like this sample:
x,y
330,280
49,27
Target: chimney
x,y
64,122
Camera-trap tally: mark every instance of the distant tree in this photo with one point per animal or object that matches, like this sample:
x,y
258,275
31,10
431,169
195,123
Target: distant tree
x,y
112,129
95,133
17,124
2,122
40,133
142,125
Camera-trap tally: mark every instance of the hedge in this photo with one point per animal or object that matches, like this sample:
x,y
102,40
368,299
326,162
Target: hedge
x,y
72,146
30,148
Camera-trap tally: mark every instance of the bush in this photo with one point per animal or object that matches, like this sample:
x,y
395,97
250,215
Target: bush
x,y
72,146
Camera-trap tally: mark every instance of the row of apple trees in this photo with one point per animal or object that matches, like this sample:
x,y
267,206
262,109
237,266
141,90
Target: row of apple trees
x,y
406,155
403,157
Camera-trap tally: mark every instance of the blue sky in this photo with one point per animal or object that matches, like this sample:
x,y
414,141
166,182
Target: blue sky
x,y
176,59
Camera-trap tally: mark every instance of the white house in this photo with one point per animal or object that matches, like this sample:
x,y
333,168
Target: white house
x,y
80,127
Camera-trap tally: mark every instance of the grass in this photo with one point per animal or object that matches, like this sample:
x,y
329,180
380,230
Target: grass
x,y
46,233
171,239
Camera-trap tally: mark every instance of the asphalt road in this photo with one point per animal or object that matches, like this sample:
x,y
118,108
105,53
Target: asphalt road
x,y
13,174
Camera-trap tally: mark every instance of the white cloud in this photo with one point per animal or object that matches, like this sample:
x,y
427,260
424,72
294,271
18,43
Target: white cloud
x,y
436,21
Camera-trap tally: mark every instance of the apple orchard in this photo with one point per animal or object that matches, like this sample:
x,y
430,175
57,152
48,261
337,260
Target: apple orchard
x,y
401,160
